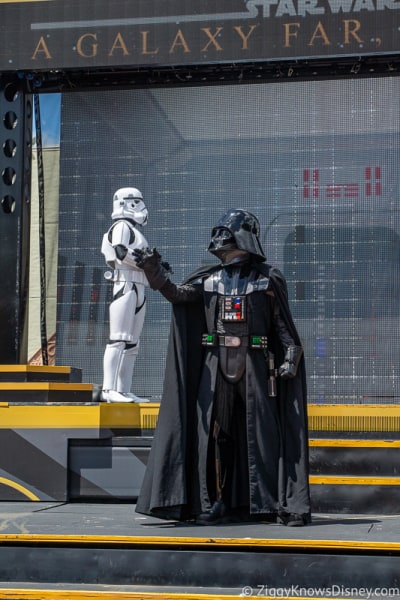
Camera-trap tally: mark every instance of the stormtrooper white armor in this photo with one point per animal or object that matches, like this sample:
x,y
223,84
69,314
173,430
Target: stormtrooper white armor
x,y
127,310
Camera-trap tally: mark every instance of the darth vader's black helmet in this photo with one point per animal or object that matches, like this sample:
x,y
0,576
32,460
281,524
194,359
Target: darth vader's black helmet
x,y
237,228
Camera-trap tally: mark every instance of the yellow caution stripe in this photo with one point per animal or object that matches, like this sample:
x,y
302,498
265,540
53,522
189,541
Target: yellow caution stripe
x,y
334,418
198,542
351,443
20,488
78,416
46,386
349,480
34,368
71,594
22,1
354,417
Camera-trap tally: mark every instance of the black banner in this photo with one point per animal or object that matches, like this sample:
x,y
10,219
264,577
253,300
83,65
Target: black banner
x,y
62,34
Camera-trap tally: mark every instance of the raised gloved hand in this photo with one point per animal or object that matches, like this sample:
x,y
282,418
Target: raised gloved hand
x,y
288,368
145,257
150,262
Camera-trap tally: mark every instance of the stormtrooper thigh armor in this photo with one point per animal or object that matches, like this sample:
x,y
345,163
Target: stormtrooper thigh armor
x,y
127,312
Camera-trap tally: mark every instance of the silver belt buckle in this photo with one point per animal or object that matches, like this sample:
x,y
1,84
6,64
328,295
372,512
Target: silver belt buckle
x,y
232,341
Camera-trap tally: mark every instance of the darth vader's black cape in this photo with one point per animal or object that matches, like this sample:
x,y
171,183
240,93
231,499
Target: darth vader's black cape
x,y
174,485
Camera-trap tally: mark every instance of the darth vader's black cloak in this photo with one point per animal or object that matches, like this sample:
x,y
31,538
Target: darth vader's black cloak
x,y
176,484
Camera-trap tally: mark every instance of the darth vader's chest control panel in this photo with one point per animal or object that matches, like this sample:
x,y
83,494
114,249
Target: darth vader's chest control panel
x,y
233,308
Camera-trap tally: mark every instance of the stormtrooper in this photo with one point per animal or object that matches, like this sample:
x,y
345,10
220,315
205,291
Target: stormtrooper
x,y
128,307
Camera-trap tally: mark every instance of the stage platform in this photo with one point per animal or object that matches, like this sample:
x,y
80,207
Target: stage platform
x,y
107,550
70,473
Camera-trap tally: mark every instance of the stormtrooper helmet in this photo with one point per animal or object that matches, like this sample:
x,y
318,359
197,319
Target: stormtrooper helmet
x,y
128,204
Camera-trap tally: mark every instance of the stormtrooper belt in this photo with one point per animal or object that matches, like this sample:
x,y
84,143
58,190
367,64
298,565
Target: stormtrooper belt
x,y
213,340
131,276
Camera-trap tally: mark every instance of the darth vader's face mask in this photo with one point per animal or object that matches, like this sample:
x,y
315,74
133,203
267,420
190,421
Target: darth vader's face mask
x,y
224,246
237,230
221,239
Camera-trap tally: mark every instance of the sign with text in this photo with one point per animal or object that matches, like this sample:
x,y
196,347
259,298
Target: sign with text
x,y
62,34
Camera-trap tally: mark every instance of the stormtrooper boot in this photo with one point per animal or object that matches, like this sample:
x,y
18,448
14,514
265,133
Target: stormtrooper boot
x,y
118,364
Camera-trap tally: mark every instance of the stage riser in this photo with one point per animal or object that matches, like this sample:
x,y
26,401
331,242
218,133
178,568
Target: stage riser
x,y
51,396
35,373
41,386
95,451
76,465
355,461
355,499
196,568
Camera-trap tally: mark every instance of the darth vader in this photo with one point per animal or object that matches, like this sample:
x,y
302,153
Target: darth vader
x,y
231,443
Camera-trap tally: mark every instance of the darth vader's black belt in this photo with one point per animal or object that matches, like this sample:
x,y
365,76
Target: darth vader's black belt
x,y
232,341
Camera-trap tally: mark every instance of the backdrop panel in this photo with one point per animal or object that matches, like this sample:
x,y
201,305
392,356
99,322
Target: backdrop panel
x,y
316,161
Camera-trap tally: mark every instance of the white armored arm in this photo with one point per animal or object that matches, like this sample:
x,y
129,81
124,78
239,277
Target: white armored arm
x,y
119,244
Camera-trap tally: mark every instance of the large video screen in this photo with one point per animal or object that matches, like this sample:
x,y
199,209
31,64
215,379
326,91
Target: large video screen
x,y
316,161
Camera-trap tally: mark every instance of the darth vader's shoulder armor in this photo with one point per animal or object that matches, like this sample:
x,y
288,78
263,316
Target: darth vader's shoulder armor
x,y
236,281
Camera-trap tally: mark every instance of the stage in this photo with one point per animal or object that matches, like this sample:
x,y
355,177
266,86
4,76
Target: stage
x,y
107,550
69,478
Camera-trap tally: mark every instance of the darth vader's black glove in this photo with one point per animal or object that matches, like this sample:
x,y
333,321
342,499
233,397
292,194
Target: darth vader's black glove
x,y
288,368
155,270
145,257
